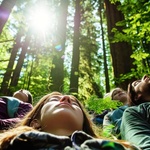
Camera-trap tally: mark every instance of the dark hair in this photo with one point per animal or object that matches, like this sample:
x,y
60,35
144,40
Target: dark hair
x,y
30,98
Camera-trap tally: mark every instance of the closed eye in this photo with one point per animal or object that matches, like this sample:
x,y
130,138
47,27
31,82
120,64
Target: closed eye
x,y
116,92
53,99
74,103
136,82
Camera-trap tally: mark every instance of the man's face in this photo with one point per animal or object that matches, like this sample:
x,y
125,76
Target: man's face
x,y
142,87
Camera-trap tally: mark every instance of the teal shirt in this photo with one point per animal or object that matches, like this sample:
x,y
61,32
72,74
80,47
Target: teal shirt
x,y
12,105
114,118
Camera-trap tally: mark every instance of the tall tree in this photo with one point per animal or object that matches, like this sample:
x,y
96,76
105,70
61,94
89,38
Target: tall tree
x,y
17,71
9,69
57,72
101,13
5,10
76,52
89,80
137,33
120,51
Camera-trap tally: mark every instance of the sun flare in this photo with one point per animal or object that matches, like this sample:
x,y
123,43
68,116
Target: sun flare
x,y
41,19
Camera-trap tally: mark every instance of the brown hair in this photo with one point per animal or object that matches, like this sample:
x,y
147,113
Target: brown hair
x,y
24,125
26,92
35,113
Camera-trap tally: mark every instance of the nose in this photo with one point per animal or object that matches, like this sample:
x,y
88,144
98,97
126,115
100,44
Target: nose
x,y
144,77
65,98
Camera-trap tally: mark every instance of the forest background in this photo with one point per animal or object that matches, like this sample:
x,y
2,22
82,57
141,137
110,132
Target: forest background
x,y
82,47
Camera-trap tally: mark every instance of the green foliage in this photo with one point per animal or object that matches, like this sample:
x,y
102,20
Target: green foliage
x,y
107,131
36,78
135,31
137,22
139,56
100,104
141,68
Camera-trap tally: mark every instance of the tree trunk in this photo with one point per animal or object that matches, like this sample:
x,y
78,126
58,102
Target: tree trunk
x,y
16,73
107,87
57,72
5,10
76,53
9,69
121,51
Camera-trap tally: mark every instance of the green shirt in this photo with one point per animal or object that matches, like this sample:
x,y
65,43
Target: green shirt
x,y
135,126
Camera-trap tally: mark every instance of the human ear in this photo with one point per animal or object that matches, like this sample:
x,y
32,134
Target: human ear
x,y
35,124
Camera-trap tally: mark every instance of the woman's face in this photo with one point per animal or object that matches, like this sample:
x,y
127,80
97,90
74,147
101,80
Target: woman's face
x,y
61,113
120,95
21,96
142,87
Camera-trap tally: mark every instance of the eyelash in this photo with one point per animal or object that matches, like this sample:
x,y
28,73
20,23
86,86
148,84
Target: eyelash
x,y
54,99
74,103
136,83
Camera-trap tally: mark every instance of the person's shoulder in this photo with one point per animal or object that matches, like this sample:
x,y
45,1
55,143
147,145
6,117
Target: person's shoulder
x,y
24,104
10,98
85,141
122,108
145,104
2,100
138,108
109,113
40,140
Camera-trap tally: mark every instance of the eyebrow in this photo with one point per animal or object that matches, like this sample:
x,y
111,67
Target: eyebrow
x,y
137,81
60,96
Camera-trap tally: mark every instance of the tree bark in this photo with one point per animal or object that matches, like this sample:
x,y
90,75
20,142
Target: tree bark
x,y
9,69
57,72
76,52
16,73
5,10
120,51
107,87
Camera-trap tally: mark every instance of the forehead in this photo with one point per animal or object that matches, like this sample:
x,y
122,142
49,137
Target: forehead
x,y
116,90
22,96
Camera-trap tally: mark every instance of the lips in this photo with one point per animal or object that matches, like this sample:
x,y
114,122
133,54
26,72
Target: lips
x,y
65,104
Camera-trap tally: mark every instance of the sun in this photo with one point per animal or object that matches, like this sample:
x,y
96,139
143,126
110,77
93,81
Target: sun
x,y
41,19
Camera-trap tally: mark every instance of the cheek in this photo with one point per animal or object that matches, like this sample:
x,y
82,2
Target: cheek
x,y
79,115
115,97
47,110
139,88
